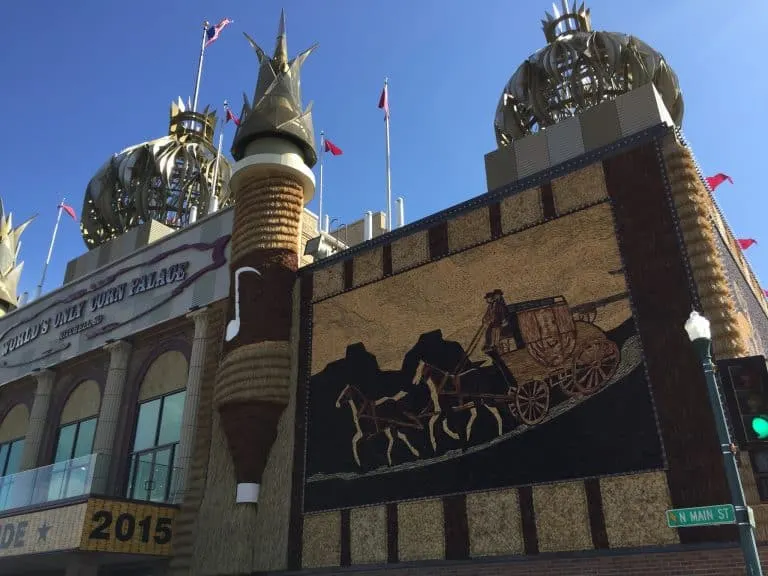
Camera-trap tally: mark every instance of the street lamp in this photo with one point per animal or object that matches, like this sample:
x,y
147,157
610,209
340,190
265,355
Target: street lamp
x,y
698,329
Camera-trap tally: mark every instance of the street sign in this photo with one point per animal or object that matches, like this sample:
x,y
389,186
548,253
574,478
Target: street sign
x,y
701,516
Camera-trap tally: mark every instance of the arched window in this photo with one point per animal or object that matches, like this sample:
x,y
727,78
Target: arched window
x,y
12,432
74,442
158,429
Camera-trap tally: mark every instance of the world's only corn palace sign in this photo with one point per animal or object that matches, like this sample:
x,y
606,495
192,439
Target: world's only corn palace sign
x,y
153,285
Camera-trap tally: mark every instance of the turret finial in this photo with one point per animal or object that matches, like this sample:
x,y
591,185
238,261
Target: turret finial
x,y
281,47
10,268
276,109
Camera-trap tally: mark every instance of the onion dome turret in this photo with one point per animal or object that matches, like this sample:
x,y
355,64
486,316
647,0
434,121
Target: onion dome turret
x,y
158,180
577,69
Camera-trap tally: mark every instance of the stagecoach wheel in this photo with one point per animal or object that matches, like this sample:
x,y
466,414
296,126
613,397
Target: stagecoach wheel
x,y
594,363
532,401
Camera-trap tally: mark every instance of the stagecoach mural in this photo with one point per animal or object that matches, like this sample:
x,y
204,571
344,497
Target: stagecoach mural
x,y
497,390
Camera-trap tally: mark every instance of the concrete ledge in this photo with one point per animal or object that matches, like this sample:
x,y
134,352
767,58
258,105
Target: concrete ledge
x,y
608,122
132,240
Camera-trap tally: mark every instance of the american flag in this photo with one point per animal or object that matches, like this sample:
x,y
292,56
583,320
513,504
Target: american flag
x,y
213,31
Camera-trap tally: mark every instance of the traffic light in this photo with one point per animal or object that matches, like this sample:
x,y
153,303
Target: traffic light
x,y
760,426
744,384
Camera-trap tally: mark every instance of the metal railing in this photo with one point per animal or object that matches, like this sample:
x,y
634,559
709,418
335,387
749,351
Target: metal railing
x,y
59,481
151,481
148,481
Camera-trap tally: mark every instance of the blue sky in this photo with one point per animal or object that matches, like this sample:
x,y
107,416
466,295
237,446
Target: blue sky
x,y
82,80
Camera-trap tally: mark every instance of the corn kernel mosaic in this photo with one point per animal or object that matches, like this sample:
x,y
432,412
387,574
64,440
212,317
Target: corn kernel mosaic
x,y
508,362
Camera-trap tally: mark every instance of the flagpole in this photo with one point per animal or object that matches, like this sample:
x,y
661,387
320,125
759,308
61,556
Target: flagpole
x,y
50,250
206,25
320,209
216,171
389,175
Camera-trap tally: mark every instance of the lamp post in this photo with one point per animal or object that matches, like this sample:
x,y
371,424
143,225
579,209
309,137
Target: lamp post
x,y
698,329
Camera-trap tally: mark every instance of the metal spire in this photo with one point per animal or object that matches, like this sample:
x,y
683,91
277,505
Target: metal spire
x,y
281,46
276,109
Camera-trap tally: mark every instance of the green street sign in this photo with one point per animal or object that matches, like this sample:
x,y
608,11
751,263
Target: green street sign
x,y
701,516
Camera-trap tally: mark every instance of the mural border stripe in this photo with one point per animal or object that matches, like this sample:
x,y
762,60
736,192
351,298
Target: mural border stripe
x,y
296,521
456,526
596,513
636,184
528,520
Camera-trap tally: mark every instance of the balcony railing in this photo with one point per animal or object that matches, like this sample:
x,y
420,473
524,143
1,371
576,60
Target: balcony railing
x,y
59,481
152,481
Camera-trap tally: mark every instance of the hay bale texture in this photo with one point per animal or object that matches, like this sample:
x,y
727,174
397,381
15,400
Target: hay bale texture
x,y
368,266
187,520
694,206
410,251
328,281
634,507
321,535
495,524
521,210
421,533
469,229
368,535
268,215
260,371
579,189
562,518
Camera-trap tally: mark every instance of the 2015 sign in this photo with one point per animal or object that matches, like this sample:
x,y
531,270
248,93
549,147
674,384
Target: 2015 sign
x,y
126,527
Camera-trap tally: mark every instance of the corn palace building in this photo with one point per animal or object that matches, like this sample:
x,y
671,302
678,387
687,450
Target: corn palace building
x,y
223,387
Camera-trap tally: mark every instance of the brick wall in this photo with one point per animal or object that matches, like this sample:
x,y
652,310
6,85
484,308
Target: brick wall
x,y
725,561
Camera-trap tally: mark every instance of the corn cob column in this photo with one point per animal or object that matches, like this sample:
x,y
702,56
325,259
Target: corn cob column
x,y
271,182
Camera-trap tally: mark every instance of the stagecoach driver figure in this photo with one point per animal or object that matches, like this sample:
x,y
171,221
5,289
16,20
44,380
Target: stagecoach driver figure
x,y
495,319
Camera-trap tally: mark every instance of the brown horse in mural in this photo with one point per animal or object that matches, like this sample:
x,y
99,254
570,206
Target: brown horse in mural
x,y
445,393
381,416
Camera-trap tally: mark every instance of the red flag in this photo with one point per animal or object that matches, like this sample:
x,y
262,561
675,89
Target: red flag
x,y
717,179
69,210
230,115
384,100
745,243
332,148
765,292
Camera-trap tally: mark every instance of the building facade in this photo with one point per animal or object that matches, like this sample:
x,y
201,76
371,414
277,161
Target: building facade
x,y
504,387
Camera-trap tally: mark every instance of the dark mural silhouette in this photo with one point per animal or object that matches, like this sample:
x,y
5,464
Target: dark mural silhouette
x,y
556,398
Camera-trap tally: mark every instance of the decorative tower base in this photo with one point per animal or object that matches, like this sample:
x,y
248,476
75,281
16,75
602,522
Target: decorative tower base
x,y
271,183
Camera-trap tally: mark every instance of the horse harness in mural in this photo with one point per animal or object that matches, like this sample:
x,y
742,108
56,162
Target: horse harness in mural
x,y
537,345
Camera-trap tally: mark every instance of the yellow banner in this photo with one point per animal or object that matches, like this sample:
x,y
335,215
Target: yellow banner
x,y
44,531
128,527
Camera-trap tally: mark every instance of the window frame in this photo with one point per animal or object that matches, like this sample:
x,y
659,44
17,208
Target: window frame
x,y
129,488
4,465
77,424
67,469
4,477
